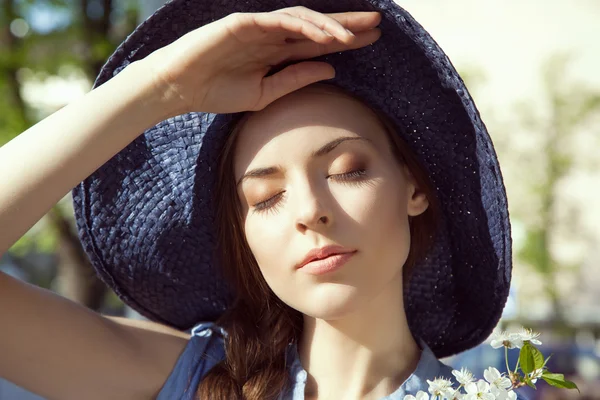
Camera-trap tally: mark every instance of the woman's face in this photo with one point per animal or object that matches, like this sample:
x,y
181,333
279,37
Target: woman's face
x,y
319,171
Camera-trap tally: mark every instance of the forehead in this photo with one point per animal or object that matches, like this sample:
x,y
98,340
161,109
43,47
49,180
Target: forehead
x,y
309,117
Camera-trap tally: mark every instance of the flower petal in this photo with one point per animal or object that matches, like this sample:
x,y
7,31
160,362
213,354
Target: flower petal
x,y
491,374
483,386
471,388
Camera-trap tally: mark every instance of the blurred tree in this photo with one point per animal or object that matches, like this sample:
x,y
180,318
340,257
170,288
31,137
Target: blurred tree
x,y
539,150
558,153
148,7
43,37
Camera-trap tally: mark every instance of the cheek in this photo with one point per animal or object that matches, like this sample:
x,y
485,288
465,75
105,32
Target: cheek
x,y
256,238
263,236
375,204
378,210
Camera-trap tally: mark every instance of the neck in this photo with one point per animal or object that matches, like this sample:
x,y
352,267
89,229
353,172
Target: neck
x,y
366,354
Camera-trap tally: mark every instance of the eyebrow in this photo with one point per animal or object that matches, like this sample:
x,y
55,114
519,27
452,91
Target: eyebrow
x,y
325,149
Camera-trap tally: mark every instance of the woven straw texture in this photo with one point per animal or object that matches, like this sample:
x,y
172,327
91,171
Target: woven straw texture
x,y
146,218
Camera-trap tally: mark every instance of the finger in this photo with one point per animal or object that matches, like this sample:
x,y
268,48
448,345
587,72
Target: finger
x,y
292,78
308,49
323,21
357,21
282,22
354,21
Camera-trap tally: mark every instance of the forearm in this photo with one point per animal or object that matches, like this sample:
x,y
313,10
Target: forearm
x,y
42,164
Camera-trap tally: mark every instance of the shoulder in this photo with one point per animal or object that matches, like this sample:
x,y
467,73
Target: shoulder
x,y
148,326
205,349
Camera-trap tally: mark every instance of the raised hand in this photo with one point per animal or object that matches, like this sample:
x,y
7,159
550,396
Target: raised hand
x,y
221,66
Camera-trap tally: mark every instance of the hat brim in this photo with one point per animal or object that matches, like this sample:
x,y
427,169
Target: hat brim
x,y
146,218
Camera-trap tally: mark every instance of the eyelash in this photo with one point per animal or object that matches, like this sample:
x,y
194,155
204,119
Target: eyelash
x,y
271,204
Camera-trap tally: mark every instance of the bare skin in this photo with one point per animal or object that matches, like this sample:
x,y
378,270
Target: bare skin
x,y
57,348
149,326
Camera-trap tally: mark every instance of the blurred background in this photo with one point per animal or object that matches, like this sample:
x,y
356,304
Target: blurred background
x,y
532,67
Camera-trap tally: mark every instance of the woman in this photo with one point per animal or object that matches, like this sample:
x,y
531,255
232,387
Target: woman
x,y
340,237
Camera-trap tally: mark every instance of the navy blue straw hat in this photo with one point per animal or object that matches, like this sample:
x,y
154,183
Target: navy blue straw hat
x,y
147,217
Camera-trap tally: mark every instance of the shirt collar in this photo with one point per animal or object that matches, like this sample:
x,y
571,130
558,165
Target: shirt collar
x,y
428,368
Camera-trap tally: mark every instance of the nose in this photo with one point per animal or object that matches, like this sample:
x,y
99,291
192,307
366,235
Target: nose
x,y
312,209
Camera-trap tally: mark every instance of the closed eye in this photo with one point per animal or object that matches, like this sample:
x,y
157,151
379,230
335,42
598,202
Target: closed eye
x,y
272,203
350,176
269,203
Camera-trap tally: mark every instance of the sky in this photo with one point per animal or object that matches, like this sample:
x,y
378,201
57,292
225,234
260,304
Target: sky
x,y
44,18
510,39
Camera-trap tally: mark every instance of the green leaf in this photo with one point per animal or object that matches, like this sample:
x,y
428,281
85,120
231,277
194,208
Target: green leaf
x,y
530,358
526,360
559,381
538,357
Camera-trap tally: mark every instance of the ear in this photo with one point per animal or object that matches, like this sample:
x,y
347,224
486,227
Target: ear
x,y
417,201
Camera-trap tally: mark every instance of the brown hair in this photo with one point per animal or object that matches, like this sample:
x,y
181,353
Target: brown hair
x,y
260,326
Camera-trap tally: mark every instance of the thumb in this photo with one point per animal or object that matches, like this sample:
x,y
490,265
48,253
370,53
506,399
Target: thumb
x,y
292,78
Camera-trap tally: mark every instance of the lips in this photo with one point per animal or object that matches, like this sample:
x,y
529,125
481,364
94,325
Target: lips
x,y
323,253
328,264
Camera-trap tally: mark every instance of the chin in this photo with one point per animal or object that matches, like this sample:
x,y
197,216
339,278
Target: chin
x,y
330,301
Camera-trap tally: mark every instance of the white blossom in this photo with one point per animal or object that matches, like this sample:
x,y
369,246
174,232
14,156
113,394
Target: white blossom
x,y
439,386
453,394
504,395
478,391
505,339
421,395
529,335
536,374
463,376
498,383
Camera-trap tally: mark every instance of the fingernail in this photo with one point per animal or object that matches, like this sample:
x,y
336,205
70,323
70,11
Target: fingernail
x,y
350,32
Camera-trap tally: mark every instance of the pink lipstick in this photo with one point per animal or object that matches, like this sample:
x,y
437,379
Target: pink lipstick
x,y
326,259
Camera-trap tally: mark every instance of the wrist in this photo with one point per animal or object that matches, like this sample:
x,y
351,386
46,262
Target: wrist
x,y
154,94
